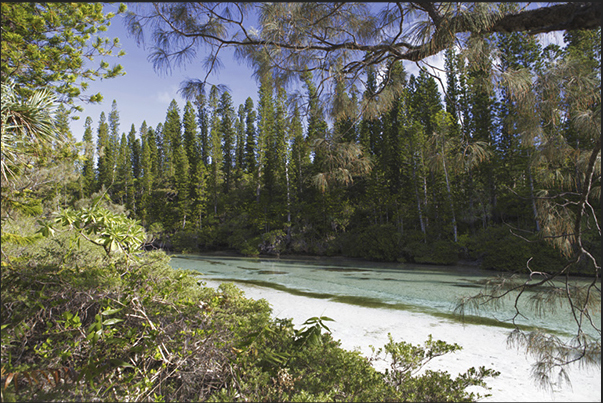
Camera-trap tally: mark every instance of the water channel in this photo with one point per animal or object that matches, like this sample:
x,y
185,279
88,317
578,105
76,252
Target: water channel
x,y
432,290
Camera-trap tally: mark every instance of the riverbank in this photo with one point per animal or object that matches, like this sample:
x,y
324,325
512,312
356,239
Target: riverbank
x,y
361,327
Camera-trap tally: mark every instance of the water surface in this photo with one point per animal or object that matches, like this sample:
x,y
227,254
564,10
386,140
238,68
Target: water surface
x,y
434,290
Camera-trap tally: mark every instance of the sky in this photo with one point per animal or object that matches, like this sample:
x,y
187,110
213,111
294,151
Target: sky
x,y
144,95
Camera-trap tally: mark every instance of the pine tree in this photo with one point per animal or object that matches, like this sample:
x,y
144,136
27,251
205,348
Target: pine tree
x,y
190,136
152,140
124,179
134,145
215,150
240,141
64,157
265,129
146,166
204,125
114,137
172,138
451,98
274,166
227,132
390,153
88,176
199,194
317,126
182,180
300,153
161,165
104,162
250,146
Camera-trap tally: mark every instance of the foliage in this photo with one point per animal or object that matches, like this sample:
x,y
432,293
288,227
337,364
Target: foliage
x,y
298,37
436,252
27,128
44,46
379,242
184,242
406,361
136,329
27,137
113,232
508,175
499,248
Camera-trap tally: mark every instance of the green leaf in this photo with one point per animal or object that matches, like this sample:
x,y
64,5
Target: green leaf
x,y
110,311
112,321
120,363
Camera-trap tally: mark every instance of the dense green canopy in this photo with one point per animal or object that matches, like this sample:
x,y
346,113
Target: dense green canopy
x,y
52,45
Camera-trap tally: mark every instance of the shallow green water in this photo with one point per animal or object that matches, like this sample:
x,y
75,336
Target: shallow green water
x,y
433,290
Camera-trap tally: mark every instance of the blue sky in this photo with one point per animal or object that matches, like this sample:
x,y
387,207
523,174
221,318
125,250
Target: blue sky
x,y
142,94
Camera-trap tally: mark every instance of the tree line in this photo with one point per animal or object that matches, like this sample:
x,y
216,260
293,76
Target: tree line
x,y
500,168
314,177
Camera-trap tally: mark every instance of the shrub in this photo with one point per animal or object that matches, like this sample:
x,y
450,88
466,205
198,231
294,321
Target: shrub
x,y
499,248
185,242
439,252
129,328
377,242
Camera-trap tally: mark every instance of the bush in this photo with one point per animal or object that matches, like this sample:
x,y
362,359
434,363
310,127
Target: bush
x,y
377,242
185,242
126,328
439,252
499,249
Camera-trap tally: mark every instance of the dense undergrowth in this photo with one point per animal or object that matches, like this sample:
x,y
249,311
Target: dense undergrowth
x,y
79,325
498,247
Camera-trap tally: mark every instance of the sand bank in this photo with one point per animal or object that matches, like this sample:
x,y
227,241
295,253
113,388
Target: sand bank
x,y
359,327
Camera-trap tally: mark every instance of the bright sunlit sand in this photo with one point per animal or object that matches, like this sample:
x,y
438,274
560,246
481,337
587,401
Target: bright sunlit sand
x,y
360,327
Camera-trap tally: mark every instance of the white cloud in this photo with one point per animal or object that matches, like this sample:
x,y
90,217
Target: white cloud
x,y
166,96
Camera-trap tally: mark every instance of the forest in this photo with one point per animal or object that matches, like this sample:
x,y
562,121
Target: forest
x,y
497,165
434,179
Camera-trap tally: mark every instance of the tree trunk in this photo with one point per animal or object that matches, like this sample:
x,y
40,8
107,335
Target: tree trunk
x,y
533,199
454,228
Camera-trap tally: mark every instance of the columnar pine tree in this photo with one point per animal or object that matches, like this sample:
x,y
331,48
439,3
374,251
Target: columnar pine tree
x,y
300,153
114,139
104,163
216,156
227,132
204,127
88,177
146,165
317,126
124,178
240,141
250,133
182,182
161,172
134,145
172,138
190,136
265,129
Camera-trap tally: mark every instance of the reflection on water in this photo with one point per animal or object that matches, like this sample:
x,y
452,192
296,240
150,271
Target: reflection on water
x,y
434,290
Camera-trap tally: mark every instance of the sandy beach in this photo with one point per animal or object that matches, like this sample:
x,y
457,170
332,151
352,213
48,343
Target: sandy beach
x,y
359,327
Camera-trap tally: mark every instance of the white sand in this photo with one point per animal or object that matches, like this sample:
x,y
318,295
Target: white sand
x,y
359,327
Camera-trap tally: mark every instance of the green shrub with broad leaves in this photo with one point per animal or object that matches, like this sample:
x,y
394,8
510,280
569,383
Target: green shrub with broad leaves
x,y
501,248
118,326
